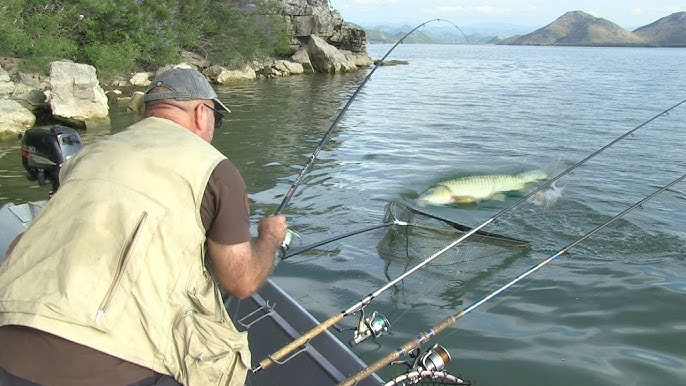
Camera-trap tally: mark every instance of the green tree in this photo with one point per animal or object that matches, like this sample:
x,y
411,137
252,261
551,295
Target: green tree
x,y
241,30
35,30
119,36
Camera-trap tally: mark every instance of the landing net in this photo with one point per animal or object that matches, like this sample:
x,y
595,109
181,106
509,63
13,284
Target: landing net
x,y
403,247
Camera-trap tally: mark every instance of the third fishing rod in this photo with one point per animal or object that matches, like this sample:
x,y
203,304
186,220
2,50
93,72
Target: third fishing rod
x,y
359,306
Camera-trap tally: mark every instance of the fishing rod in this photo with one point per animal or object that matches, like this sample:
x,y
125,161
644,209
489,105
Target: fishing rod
x,y
327,135
425,336
458,227
300,250
374,328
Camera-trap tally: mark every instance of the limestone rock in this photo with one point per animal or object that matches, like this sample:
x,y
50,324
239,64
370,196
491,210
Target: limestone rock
x,y
14,118
326,58
76,96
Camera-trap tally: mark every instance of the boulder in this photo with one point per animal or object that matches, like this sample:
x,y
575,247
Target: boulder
x,y
359,59
30,90
14,118
140,79
229,76
303,58
76,96
30,98
213,72
170,66
327,58
6,84
195,60
289,68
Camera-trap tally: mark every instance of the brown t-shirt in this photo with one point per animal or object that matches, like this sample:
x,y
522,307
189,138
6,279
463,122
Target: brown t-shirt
x,y
48,359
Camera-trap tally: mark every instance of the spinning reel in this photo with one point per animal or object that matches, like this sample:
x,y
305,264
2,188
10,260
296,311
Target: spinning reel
x,y
427,369
374,325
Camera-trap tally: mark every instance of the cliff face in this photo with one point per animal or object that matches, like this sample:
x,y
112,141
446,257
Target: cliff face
x,y
316,17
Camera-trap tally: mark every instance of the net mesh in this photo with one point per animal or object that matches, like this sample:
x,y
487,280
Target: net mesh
x,y
427,222
441,281
427,234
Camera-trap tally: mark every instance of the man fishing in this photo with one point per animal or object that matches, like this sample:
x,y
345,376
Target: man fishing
x,y
114,282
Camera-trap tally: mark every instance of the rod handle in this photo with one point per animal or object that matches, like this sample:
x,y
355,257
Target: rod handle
x,y
302,340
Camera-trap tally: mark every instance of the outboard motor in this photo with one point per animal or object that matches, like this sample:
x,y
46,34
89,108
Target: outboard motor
x,y
44,149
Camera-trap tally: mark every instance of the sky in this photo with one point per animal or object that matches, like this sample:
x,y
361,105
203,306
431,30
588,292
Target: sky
x,y
628,14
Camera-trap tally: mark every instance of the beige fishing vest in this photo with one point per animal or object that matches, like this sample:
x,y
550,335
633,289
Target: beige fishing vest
x,y
115,259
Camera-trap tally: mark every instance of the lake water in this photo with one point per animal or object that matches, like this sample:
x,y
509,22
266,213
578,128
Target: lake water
x,y
613,312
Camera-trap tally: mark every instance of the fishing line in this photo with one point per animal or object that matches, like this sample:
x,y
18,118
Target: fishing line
x,y
359,306
327,135
425,336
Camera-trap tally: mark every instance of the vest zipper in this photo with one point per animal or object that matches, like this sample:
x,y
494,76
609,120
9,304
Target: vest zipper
x,y
120,268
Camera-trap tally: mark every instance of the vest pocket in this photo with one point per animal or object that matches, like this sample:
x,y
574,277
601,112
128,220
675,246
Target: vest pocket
x,y
121,266
210,352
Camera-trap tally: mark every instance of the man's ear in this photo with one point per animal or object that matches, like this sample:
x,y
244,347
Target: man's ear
x,y
199,120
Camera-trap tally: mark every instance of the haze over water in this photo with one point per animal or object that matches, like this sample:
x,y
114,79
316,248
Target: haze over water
x,y
610,313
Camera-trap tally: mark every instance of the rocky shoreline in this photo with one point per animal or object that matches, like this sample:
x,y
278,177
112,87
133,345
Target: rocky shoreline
x,y
72,94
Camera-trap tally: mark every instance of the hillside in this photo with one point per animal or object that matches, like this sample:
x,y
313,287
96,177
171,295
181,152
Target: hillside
x,y
667,32
441,34
578,28
393,34
581,29
575,28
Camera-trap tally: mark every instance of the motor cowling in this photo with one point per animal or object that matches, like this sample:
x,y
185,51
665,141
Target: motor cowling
x,y
44,149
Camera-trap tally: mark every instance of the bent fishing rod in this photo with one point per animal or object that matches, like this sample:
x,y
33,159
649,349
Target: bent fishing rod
x,y
425,336
359,306
327,135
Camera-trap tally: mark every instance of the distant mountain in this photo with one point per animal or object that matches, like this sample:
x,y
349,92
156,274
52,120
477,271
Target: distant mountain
x,y
573,28
668,31
578,28
391,34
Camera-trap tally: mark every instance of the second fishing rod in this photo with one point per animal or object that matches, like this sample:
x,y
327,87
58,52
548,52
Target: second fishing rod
x,y
359,306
